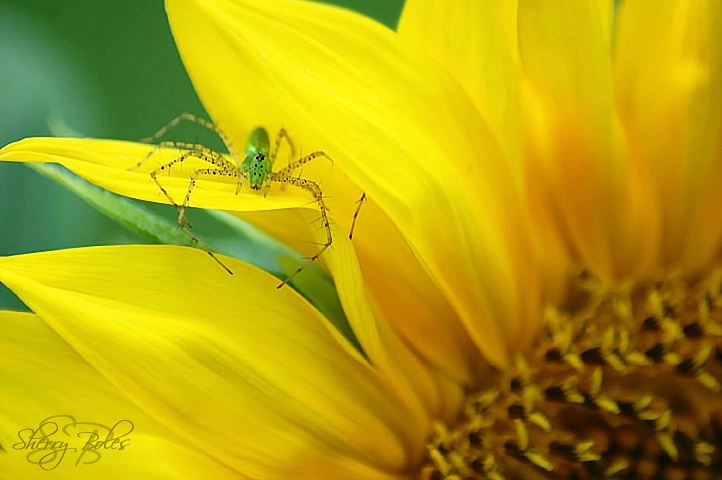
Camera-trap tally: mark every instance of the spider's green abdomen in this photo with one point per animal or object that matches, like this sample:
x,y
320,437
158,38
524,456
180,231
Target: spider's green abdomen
x,y
258,142
256,164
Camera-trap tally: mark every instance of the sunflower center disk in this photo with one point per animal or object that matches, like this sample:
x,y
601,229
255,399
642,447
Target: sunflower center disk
x,y
624,385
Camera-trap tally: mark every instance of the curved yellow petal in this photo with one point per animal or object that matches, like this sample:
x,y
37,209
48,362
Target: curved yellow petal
x,y
109,164
247,373
431,391
477,43
405,133
44,382
404,291
405,294
668,78
576,149
410,300
415,382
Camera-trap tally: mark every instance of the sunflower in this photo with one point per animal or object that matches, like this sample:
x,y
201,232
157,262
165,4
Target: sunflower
x,y
534,284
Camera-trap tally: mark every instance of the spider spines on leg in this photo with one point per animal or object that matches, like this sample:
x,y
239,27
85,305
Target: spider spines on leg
x,y
256,169
163,190
189,117
220,167
184,225
292,167
315,190
282,134
308,261
170,125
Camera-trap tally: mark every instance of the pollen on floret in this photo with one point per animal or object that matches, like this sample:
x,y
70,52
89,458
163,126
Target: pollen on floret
x,y
624,385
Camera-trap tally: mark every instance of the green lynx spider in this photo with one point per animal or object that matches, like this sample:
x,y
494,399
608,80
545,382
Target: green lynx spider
x,y
256,168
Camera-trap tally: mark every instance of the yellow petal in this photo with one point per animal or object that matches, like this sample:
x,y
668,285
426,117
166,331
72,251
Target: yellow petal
x,y
477,43
406,295
576,149
422,389
668,77
245,372
108,163
404,133
46,383
410,300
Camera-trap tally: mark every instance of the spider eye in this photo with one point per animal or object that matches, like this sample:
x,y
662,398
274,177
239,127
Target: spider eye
x,y
260,156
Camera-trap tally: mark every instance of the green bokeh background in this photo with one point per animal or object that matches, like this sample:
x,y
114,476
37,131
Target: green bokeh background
x,y
102,68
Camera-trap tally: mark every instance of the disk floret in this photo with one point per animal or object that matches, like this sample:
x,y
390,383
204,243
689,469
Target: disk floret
x,y
624,385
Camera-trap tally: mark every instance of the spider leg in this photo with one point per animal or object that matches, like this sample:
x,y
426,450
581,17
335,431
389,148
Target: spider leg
x,y
359,202
203,172
221,166
189,117
315,190
281,135
242,178
286,172
193,147
183,223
